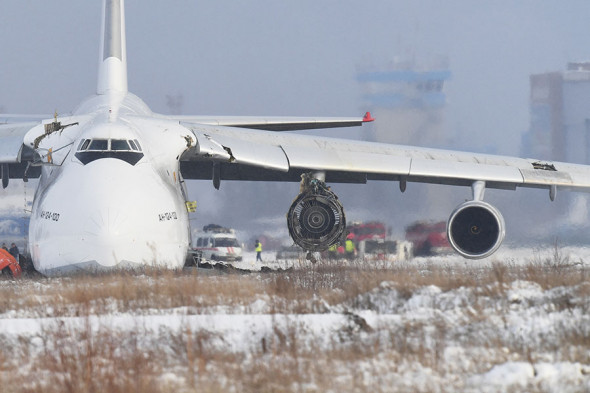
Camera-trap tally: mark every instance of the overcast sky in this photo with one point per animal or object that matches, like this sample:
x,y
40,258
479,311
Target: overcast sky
x,y
268,57
294,57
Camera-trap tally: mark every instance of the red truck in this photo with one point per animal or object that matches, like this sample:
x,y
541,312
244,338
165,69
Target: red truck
x,y
367,231
429,238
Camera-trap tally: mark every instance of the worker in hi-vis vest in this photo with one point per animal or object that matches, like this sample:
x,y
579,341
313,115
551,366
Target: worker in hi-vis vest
x,y
349,246
333,251
258,249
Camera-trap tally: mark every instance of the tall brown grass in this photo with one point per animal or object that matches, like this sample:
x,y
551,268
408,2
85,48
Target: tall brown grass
x,y
360,357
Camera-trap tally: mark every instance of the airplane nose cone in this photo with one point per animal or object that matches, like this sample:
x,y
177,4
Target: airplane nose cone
x,y
121,216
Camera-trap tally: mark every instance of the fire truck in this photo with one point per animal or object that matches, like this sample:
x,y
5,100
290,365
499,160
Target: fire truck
x,y
372,242
428,238
367,230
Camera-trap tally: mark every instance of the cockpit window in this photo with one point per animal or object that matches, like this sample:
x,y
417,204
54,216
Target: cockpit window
x,y
109,145
99,144
119,144
123,149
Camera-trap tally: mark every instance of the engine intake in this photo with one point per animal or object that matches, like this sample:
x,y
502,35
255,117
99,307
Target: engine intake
x,y
316,219
475,229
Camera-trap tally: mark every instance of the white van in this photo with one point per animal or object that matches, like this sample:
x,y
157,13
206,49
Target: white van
x,y
217,246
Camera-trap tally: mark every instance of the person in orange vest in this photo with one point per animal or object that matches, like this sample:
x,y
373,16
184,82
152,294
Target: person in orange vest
x,y
258,249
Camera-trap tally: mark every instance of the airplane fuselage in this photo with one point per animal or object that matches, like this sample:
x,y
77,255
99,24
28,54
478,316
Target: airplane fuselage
x,y
108,199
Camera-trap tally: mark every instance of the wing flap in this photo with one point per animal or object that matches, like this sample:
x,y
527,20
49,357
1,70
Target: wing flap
x,y
559,174
444,169
542,177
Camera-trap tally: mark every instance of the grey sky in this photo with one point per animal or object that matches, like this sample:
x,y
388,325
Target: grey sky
x,y
294,57
268,57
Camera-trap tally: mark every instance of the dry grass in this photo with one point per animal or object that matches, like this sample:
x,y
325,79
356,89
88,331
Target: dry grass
x,y
288,291
359,357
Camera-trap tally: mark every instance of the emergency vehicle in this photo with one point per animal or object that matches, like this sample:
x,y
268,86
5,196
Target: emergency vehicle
x,y
429,238
217,243
366,230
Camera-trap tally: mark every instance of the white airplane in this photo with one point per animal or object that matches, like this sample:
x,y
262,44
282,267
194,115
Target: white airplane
x,y
111,192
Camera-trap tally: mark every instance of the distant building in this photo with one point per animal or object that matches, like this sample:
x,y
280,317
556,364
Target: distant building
x,y
560,127
560,115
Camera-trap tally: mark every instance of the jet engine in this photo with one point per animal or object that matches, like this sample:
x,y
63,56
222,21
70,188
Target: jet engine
x,y
316,218
475,229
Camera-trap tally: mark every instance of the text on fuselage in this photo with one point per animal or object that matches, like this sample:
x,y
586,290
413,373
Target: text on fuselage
x,y
167,216
47,215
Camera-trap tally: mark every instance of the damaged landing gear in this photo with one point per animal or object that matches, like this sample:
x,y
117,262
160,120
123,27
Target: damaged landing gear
x,y
316,218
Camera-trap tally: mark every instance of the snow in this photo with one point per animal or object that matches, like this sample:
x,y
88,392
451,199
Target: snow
x,y
505,336
508,375
559,377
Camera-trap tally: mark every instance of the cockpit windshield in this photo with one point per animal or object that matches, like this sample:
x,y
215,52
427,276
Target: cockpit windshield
x,y
109,145
118,144
99,144
127,150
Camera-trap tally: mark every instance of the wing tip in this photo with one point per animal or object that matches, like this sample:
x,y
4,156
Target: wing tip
x,y
367,118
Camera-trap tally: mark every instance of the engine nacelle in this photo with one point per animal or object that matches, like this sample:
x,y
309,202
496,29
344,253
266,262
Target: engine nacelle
x,y
316,220
475,229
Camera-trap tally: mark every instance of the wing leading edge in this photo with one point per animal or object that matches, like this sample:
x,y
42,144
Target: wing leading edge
x,y
274,123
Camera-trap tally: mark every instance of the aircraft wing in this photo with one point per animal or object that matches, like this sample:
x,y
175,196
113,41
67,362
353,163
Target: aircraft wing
x,y
14,155
6,118
274,123
11,141
241,154
19,141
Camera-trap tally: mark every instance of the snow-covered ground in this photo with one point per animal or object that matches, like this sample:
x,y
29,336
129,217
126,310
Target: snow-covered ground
x,y
503,335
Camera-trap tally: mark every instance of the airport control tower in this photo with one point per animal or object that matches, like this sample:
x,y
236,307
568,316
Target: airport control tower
x,y
408,100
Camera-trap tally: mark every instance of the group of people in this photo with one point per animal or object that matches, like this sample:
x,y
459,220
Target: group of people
x,y
336,251
346,250
14,251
